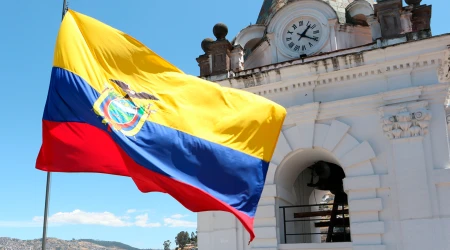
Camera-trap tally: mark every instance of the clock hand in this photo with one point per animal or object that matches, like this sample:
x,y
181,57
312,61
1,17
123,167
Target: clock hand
x,y
315,39
304,32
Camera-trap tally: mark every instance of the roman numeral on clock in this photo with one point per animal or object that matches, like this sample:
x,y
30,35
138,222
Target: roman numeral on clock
x,y
288,38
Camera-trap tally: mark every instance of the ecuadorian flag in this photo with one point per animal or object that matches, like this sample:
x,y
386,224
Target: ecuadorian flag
x,y
116,107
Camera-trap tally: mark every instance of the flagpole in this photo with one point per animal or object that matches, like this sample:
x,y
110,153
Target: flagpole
x,y
49,174
47,191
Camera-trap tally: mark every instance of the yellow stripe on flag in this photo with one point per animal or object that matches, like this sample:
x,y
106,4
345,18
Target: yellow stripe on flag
x,y
233,118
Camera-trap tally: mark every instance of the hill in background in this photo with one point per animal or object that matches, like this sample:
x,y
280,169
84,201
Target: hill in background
x,y
57,244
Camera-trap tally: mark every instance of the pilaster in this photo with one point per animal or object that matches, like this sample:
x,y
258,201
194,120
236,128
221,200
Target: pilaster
x,y
406,125
332,24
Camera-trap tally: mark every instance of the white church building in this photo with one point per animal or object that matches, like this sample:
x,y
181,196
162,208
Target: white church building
x,y
362,162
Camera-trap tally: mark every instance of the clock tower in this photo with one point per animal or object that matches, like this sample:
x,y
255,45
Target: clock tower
x,y
304,35
301,29
286,30
268,9
362,160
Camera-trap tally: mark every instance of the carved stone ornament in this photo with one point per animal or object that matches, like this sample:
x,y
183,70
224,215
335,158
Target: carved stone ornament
x,y
444,69
406,124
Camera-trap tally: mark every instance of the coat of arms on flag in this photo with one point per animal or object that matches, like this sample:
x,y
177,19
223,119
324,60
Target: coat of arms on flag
x,y
206,137
120,112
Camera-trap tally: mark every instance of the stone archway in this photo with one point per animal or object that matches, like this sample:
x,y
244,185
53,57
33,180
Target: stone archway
x,y
291,178
360,183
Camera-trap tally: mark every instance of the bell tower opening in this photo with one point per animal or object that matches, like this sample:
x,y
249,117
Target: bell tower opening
x,y
334,213
318,211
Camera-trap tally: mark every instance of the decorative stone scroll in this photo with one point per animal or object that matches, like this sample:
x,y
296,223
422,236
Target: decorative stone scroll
x,y
406,123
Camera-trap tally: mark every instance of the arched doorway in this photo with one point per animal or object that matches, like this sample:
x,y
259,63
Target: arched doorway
x,y
315,180
298,147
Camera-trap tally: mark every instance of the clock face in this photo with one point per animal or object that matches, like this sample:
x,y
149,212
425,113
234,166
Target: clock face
x,y
303,35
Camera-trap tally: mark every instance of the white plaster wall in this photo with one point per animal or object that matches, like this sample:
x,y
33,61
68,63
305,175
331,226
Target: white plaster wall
x,y
219,230
261,56
437,146
366,127
415,231
443,225
399,191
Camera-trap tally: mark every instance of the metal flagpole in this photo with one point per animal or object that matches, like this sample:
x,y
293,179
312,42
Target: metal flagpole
x,y
47,192
49,174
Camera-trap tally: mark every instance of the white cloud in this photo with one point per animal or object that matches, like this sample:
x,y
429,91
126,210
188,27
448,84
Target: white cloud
x,y
79,217
175,221
178,216
141,221
85,218
20,224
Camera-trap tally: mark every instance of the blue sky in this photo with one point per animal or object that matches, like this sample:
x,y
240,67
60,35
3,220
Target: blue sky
x,y
80,203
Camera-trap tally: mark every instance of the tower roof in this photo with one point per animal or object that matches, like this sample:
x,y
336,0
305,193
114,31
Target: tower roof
x,y
268,9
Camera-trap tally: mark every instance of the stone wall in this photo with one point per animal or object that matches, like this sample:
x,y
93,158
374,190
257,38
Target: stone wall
x,y
342,107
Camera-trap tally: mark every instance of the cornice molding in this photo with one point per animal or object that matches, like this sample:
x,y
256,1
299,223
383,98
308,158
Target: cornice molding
x,y
381,104
311,76
351,64
275,84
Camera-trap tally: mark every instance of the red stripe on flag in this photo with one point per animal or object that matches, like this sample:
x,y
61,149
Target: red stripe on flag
x,y
80,147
